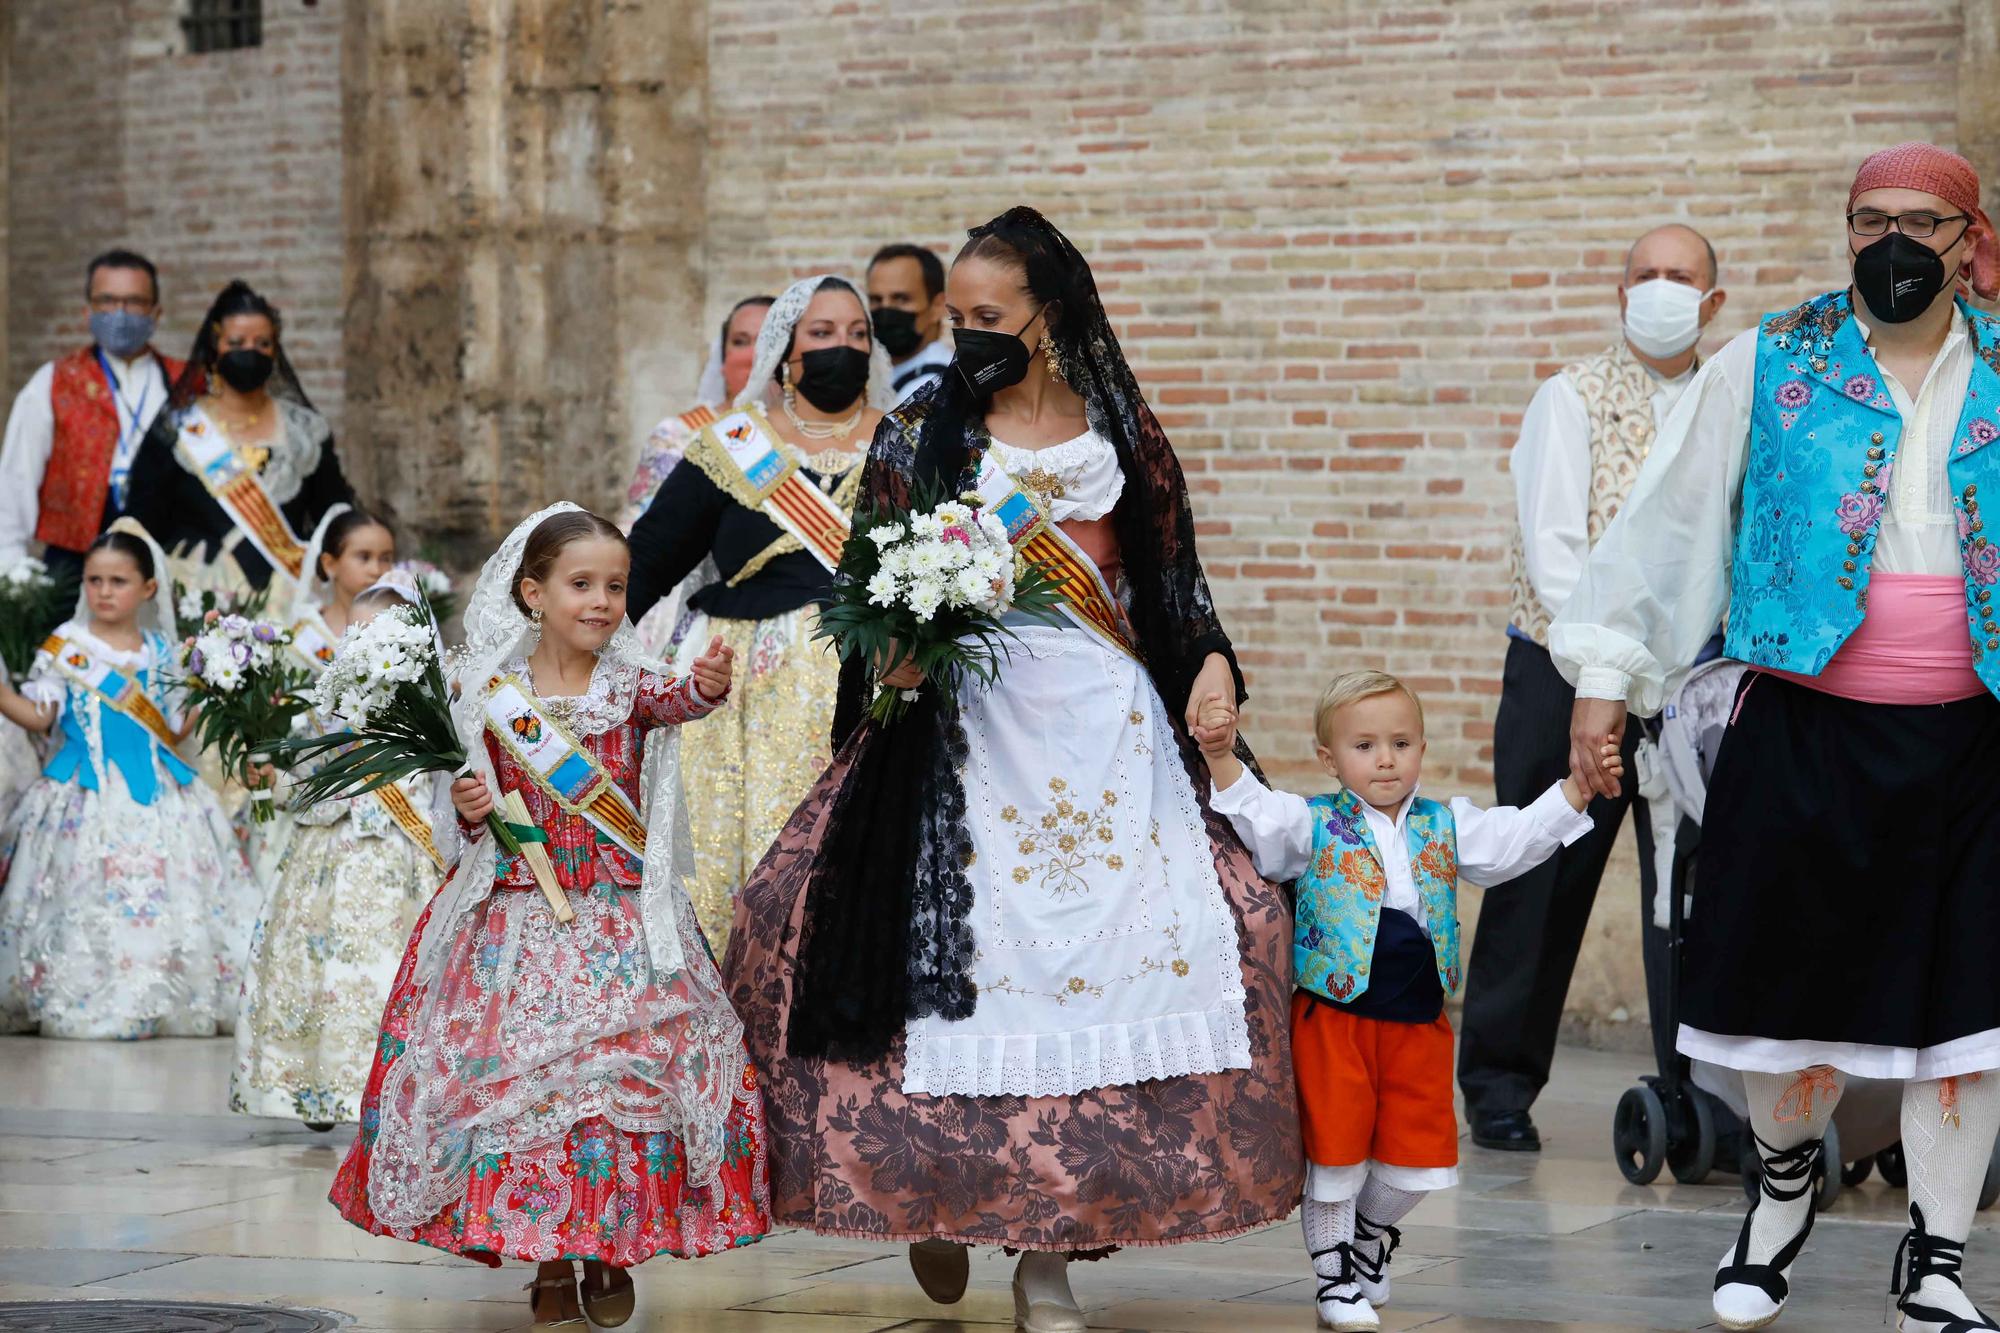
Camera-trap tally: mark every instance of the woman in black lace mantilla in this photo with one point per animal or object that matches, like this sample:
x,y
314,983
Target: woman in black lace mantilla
x,y
1006,978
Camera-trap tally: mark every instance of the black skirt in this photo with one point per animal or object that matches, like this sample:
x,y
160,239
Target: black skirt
x,y
1849,884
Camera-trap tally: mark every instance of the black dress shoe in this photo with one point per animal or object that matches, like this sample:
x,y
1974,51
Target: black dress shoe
x,y
1509,1131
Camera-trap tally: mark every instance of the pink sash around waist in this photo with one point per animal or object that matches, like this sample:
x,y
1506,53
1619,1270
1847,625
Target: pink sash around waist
x,y
1912,647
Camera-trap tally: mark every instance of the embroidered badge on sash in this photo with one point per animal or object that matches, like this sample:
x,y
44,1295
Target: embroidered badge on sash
x,y
560,766
123,693
1086,598
742,454
234,484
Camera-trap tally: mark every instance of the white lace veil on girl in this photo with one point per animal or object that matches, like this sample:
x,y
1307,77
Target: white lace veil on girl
x,y
776,336
473,1079
162,606
312,593
156,617
496,633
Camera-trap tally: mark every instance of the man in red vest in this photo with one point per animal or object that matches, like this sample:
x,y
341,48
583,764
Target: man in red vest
x,y
76,426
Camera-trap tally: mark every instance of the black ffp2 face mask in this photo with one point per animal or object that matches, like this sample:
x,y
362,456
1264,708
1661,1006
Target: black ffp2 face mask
x,y
833,378
896,330
1898,278
245,369
989,360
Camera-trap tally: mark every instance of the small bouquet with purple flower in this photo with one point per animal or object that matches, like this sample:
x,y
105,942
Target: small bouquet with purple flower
x,y
248,690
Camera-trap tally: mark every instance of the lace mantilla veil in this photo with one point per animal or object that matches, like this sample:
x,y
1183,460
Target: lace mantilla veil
x,y
776,336
672,1060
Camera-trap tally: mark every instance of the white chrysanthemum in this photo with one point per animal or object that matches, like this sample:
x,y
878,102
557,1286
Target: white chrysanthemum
x,y
882,589
887,534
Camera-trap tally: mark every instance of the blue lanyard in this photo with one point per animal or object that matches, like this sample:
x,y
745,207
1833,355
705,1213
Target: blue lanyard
x,y
125,433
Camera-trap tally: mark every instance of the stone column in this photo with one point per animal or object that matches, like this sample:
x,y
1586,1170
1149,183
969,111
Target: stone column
x,y
524,204
1979,96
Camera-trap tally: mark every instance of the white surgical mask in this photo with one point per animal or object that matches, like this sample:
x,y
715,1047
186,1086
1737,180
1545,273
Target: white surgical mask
x,y
1663,317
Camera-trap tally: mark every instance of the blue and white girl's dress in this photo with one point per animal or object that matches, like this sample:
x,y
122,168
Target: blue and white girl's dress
x,y
127,906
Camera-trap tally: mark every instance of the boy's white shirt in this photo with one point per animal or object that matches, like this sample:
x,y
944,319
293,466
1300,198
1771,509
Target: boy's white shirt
x,y
1494,845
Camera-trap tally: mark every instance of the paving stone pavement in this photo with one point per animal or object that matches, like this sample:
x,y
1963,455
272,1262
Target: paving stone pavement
x,y
122,1176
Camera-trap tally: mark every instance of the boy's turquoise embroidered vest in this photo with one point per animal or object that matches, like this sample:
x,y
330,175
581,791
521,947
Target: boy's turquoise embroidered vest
x,y
126,745
1823,437
1340,895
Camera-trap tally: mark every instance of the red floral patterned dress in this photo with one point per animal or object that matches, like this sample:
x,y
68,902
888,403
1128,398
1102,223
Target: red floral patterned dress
x,y
552,1043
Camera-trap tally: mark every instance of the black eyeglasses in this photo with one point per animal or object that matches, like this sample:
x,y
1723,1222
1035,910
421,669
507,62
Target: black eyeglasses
x,y
131,305
1916,226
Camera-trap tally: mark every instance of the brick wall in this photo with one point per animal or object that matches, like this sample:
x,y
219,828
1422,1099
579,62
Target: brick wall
x,y
1341,243
215,166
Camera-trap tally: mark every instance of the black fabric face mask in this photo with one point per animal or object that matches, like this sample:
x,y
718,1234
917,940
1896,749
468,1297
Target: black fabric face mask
x,y
245,369
832,378
989,360
896,330
1898,278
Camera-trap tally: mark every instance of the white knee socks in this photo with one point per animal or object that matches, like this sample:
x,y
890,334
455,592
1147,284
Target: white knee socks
x,y
1376,1213
1948,1129
1327,1225
1785,1111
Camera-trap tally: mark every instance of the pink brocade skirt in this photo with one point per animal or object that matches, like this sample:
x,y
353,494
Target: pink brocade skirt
x,y
597,1192
1153,1163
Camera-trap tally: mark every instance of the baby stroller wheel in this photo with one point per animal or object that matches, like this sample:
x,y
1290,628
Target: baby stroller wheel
x,y
1829,1181
1639,1134
1989,1189
1691,1153
1890,1163
1855,1172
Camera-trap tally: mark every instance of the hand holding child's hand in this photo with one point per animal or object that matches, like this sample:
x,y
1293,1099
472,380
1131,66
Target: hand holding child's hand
x,y
1611,760
472,798
1215,725
714,669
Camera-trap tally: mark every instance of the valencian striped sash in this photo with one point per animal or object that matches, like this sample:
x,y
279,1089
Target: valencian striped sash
x,y
560,766
233,481
408,818
1038,540
122,692
767,476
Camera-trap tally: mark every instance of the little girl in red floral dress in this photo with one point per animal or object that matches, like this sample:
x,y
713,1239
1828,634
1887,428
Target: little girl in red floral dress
x,y
555,1090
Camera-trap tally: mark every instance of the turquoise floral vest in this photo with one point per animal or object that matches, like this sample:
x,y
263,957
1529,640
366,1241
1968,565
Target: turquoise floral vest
x,y
1340,895
1823,437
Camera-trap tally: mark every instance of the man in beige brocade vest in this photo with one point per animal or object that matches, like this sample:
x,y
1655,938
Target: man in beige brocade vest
x,y
1583,439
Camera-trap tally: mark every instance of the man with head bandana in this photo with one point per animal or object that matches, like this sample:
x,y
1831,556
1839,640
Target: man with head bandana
x,y
1824,480
77,425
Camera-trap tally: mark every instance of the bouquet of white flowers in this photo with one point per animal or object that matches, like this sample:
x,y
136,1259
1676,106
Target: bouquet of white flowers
x,y
436,586
248,689
32,603
930,585
386,684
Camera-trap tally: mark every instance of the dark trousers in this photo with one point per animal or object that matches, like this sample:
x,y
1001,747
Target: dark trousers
x,y
1531,928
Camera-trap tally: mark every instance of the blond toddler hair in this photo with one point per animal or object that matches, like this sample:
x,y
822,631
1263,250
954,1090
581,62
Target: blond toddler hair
x,y
1352,687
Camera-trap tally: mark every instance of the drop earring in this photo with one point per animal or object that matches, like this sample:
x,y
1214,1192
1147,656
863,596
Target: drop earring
x,y
1054,361
535,625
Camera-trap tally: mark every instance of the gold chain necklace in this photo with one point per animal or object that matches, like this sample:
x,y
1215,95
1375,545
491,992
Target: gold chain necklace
x,y
822,430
